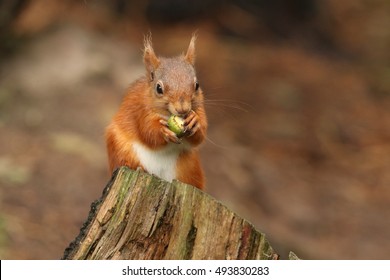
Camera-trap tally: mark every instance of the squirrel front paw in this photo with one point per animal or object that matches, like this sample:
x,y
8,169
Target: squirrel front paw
x,y
191,123
168,135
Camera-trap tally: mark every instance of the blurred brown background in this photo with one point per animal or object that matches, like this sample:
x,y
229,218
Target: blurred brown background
x,y
298,104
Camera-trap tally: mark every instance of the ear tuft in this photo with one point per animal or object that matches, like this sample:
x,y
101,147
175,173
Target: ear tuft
x,y
190,55
151,61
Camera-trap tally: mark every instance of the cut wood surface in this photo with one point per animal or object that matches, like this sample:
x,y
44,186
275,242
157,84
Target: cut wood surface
x,y
140,216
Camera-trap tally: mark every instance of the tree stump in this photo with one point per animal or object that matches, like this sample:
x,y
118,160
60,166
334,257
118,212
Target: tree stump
x,y
140,216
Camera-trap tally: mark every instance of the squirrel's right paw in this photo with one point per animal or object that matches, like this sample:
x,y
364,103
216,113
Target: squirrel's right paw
x,y
169,136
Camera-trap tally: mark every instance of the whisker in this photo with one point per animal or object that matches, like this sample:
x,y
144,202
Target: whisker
x,y
231,106
208,139
228,100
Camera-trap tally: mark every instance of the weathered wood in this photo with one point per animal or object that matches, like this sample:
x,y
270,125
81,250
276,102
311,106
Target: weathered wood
x,y
142,217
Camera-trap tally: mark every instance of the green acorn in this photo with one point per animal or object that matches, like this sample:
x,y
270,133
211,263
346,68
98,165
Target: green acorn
x,y
176,124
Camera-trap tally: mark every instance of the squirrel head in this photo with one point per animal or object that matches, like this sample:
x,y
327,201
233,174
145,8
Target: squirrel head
x,y
173,82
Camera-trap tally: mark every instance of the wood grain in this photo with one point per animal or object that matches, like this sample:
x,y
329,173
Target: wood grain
x,y
140,216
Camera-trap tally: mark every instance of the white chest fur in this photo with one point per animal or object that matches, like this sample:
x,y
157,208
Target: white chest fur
x,y
162,162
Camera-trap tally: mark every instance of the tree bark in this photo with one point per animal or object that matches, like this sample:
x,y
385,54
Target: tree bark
x,y
140,216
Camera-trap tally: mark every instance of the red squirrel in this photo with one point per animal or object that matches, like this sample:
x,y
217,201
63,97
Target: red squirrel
x,y
139,137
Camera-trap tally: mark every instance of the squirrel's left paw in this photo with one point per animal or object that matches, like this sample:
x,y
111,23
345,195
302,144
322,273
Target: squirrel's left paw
x,y
191,123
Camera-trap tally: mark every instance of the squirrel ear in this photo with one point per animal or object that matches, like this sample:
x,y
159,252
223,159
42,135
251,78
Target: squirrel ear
x,y
190,55
150,59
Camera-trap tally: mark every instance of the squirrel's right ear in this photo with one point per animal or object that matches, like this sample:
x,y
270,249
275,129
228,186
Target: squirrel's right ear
x,y
150,59
190,55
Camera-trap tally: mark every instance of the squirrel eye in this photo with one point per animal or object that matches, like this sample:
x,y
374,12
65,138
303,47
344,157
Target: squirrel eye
x,y
159,89
196,86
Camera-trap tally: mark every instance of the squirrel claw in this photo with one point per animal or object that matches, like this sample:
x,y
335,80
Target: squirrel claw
x,y
164,123
169,136
191,123
193,130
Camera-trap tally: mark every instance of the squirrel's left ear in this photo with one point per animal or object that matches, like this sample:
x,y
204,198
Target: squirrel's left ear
x,y
150,59
190,55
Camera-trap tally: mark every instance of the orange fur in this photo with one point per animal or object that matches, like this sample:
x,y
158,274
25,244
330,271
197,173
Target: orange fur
x,y
141,116
189,169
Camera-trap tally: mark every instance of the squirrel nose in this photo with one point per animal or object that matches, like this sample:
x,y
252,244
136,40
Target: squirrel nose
x,y
182,111
183,108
